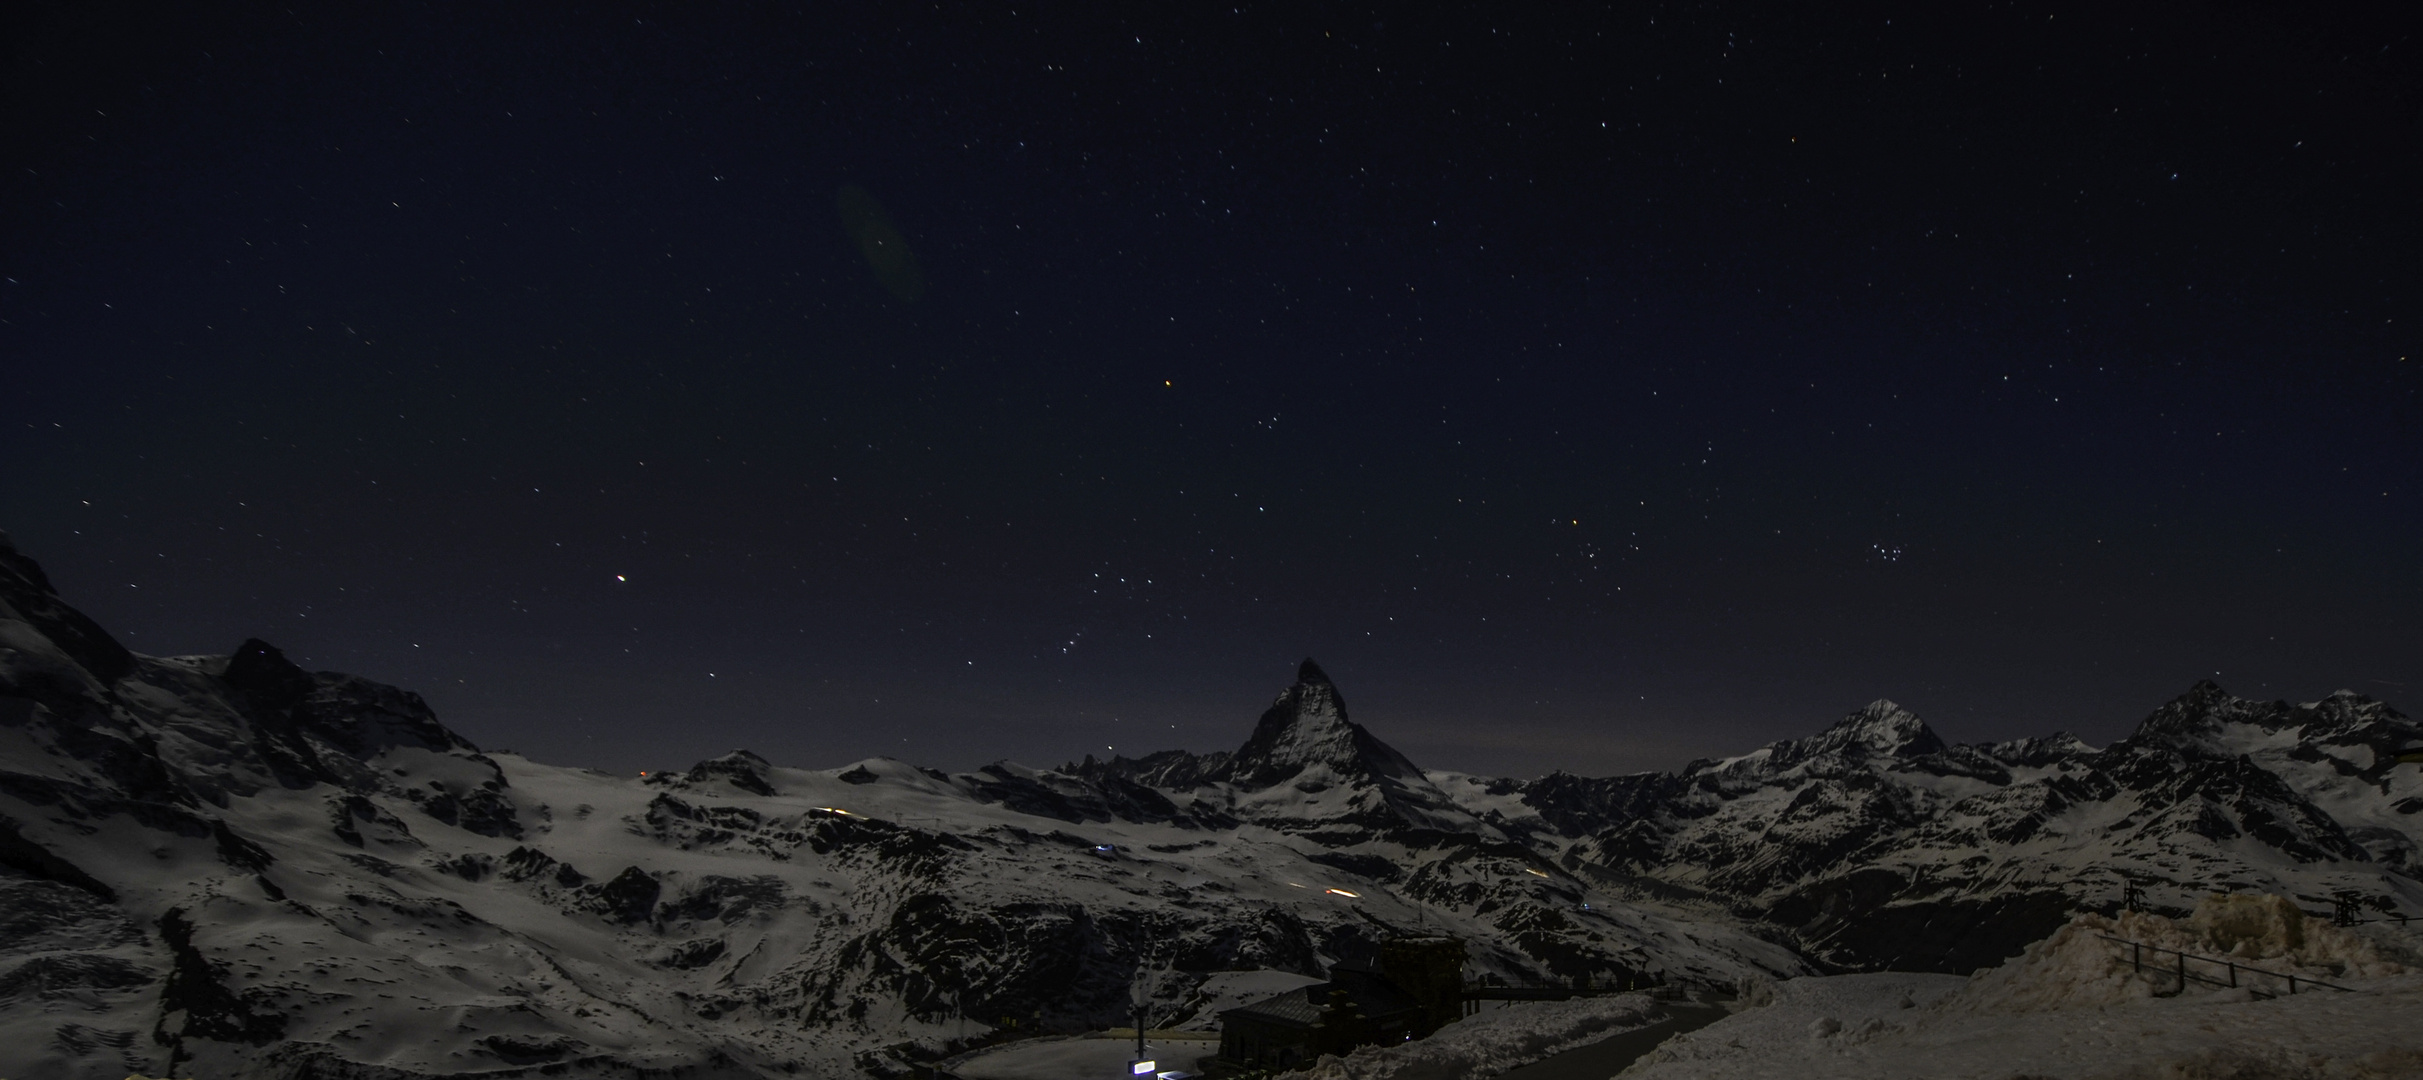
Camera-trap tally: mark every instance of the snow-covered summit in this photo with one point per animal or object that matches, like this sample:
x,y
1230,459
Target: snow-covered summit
x,y
2209,721
1882,729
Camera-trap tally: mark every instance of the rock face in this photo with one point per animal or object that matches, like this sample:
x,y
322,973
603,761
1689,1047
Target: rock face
x,y
1305,729
229,866
1307,767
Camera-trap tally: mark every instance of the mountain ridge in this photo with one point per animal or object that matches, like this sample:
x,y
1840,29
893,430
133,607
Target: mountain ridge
x,y
229,865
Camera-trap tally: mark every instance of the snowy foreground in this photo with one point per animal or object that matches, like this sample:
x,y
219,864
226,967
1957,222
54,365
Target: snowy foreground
x,y
1494,1041
2071,1008
1484,1045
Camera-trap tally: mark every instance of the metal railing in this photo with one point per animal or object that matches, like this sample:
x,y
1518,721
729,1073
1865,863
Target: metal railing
x,y
2346,906
2398,918
1490,990
2231,968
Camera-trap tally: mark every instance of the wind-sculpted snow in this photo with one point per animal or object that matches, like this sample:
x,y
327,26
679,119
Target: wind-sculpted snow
x,y
228,866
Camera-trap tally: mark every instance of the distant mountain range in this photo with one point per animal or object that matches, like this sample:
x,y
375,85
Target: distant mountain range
x,y
226,866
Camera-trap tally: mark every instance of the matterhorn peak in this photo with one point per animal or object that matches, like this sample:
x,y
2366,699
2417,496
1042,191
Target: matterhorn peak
x,y
1307,725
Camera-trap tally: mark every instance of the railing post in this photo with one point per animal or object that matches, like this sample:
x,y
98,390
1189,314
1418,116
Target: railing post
x,y
2137,951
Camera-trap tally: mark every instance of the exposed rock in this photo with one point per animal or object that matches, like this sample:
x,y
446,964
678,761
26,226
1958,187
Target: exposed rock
x,y
197,1003
35,861
630,897
25,593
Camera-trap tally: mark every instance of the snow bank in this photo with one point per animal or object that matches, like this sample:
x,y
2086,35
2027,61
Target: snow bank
x,y
2072,1007
2203,1036
2270,928
1492,1042
2077,968
2398,943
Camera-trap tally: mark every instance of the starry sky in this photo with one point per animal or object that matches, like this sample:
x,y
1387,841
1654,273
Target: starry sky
x,y
1586,388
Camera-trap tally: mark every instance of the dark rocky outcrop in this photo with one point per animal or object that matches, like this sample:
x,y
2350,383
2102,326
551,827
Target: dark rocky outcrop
x,y
740,768
629,896
196,1003
32,859
25,593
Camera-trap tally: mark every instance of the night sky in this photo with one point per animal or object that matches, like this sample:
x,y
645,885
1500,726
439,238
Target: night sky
x,y
1590,390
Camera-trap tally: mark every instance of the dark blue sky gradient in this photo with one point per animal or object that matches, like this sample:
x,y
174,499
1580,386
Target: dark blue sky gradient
x,y
1592,394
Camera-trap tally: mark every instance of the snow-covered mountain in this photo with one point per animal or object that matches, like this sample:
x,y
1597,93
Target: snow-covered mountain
x,y
227,866
1880,846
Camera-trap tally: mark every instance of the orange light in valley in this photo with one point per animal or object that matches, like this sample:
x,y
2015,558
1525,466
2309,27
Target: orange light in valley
x,y
1344,893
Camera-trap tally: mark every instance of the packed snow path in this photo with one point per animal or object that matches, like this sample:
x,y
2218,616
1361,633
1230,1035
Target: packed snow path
x,y
1612,1054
